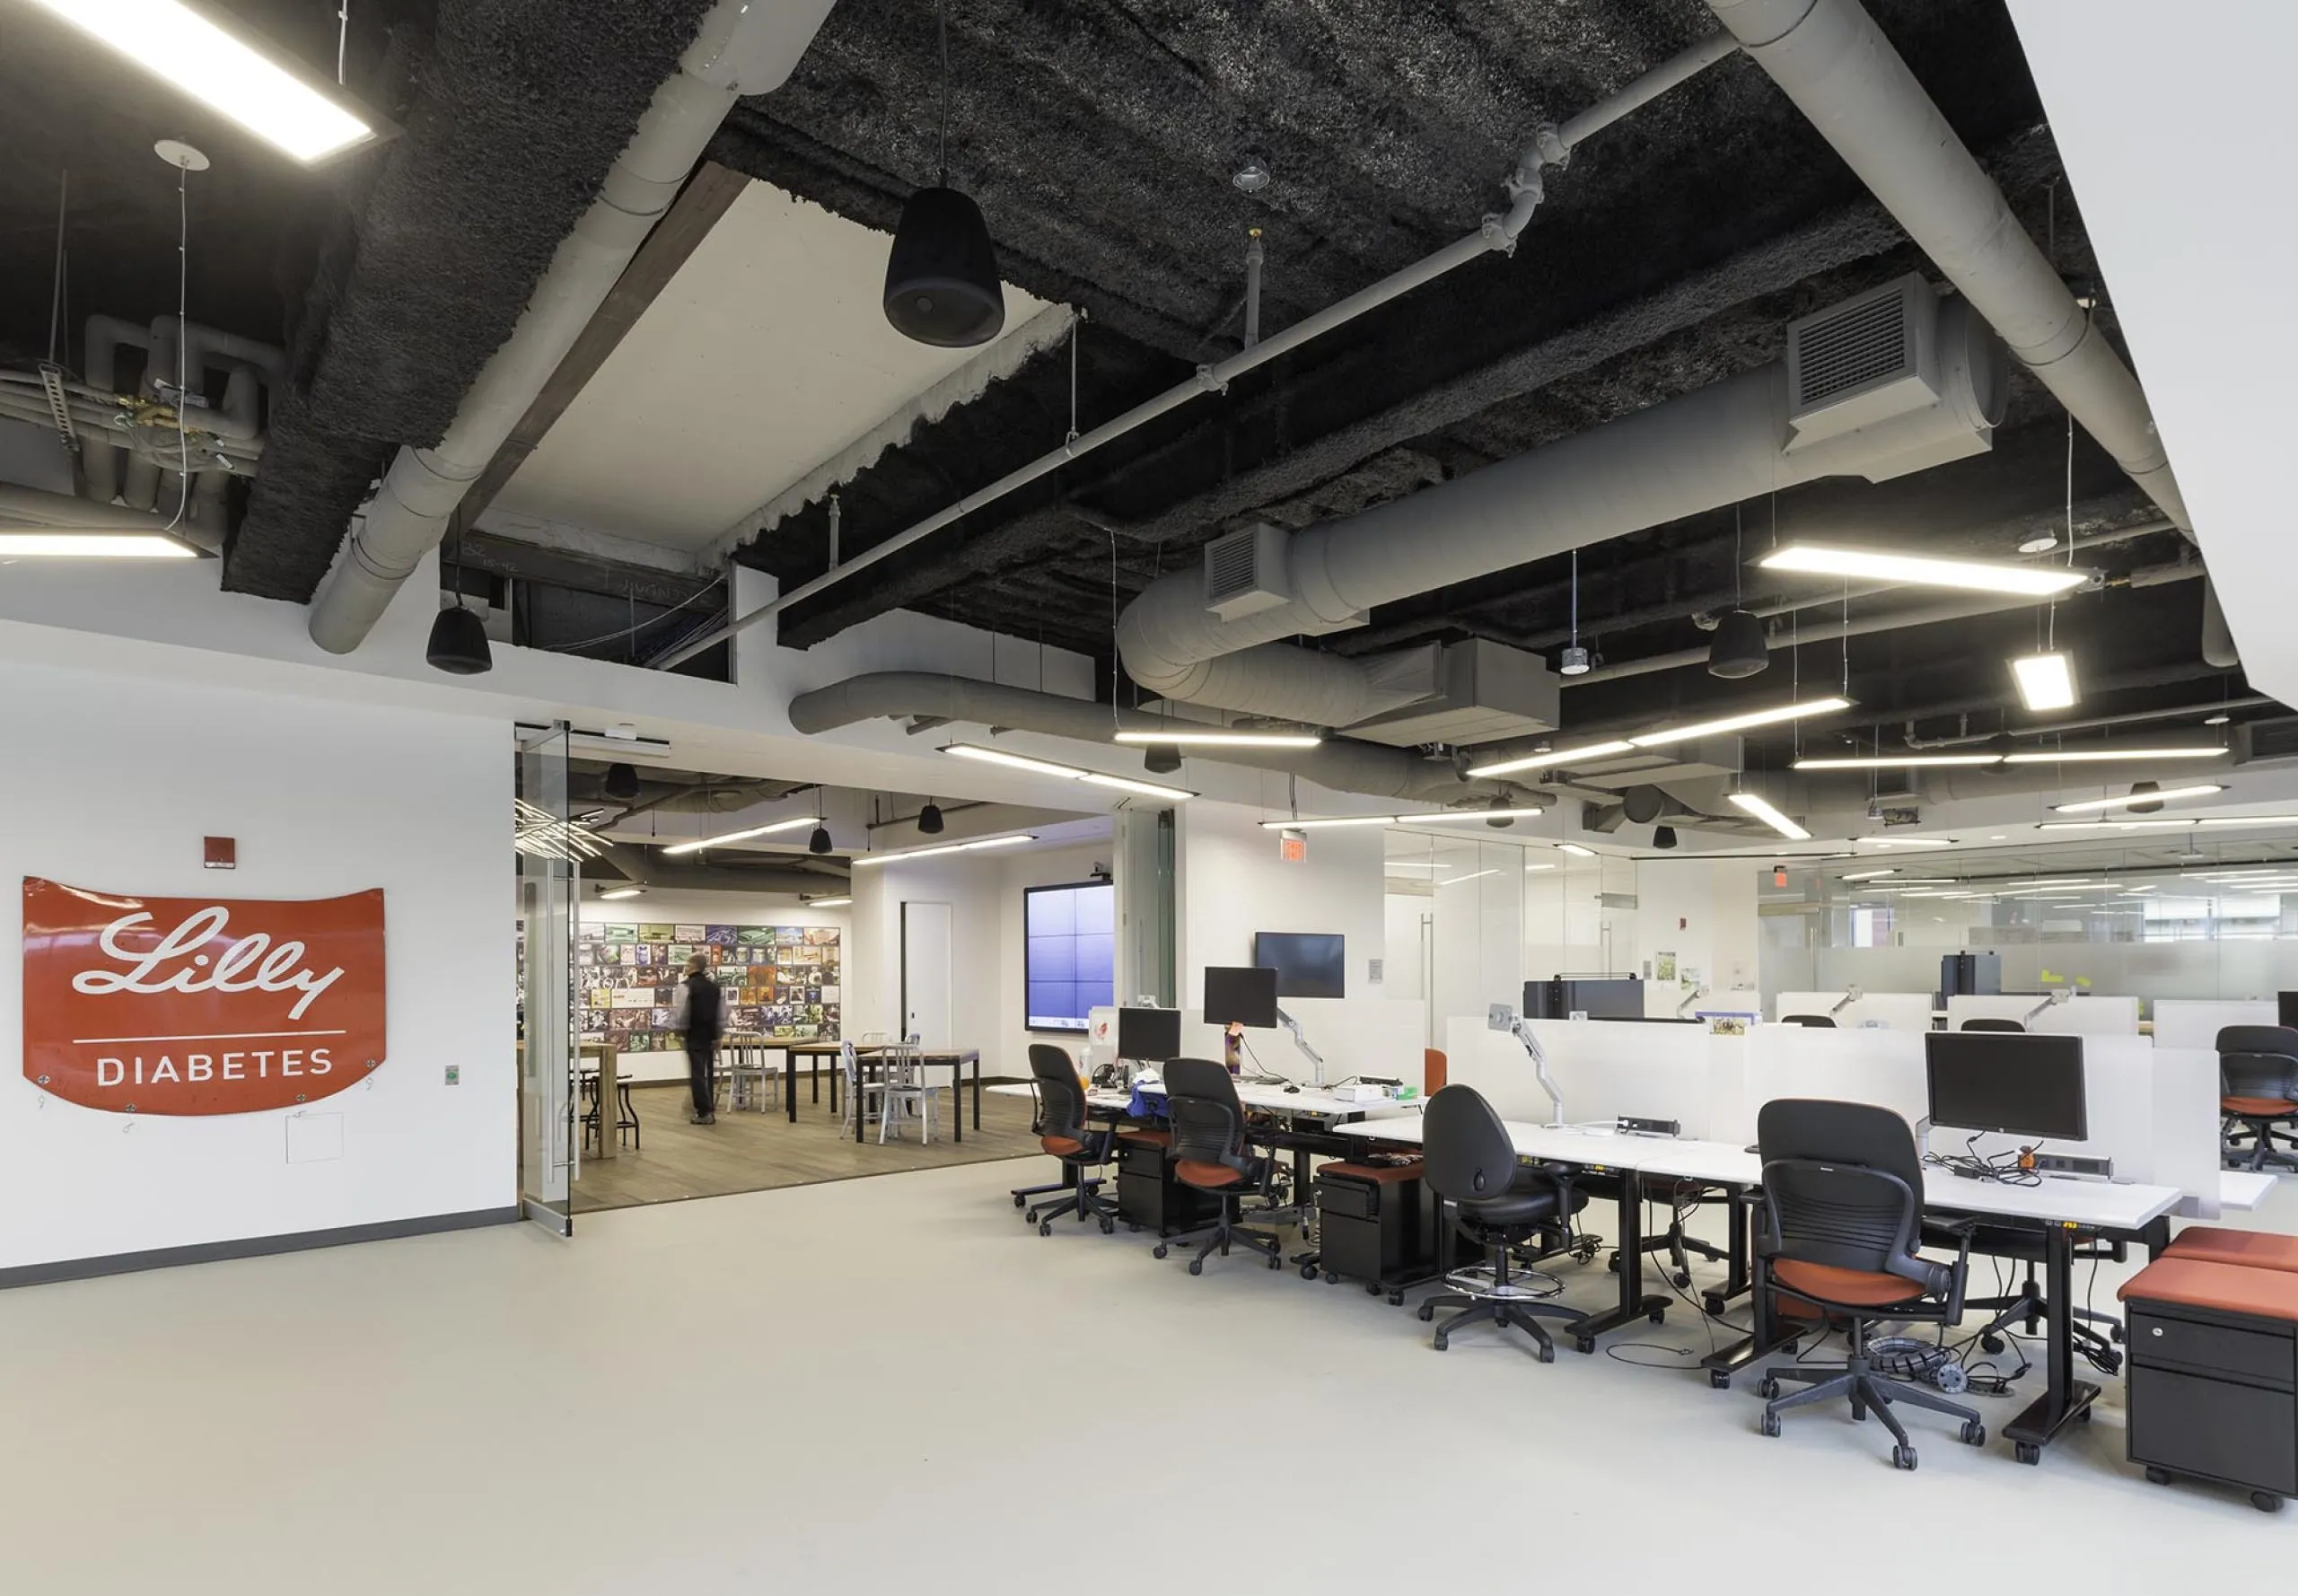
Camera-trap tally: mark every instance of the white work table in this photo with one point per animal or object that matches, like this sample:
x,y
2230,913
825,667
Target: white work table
x,y
2242,1189
1308,1101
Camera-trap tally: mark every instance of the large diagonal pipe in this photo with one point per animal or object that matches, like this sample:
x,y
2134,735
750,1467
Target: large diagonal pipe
x,y
1830,58
742,49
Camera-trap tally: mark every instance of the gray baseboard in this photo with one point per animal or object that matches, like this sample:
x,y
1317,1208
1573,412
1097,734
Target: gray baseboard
x,y
208,1252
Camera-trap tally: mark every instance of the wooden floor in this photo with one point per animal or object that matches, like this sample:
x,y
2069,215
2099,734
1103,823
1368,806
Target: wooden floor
x,y
752,1152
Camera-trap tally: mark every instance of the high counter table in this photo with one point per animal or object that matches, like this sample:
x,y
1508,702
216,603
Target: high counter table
x,y
2057,1208
868,1055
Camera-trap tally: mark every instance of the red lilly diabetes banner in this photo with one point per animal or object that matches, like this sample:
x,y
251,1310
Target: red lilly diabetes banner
x,y
190,1005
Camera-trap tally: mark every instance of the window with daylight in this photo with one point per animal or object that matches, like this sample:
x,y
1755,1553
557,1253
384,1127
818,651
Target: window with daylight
x,y
1069,953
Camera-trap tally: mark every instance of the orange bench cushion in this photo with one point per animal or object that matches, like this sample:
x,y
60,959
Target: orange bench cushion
x,y
2254,1249
2229,1288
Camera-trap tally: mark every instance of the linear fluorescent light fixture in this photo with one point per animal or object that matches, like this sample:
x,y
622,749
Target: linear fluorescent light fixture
x,y
1869,875
1332,823
2092,805
1893,762
1740,723
2106,756
1554,758
182,45
2045,680
1905,842
93,546
1122,783
947,848
1754,804
614,892
1475,876
1217,737
1576,850
1453,816
827,902
1982,576
701,843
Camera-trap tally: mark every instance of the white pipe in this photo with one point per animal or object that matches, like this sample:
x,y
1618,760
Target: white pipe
x,y
1495,233
1254,255
742,49
1828,58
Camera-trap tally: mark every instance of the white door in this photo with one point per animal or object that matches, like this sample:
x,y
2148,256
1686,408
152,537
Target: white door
x,y
925,973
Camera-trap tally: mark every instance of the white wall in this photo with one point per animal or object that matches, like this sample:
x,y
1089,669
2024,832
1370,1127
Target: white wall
x,y
704,909
1232,884
1704,912
116,780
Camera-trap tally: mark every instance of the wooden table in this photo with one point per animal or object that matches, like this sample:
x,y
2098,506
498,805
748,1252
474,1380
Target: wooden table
x,y
609,1097
866,1055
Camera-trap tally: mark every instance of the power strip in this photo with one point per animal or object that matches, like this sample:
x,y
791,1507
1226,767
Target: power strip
x,y
2074,1164
1630,1126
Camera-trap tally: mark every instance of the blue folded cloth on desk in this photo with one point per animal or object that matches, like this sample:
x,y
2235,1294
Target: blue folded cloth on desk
x,y
1148,1101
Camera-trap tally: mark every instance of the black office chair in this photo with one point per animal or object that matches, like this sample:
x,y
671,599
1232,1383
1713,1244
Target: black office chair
x,y
1498,1204
1210,1153
1816,1022
1064,1130
2258,1088
1842,1212
1985,1022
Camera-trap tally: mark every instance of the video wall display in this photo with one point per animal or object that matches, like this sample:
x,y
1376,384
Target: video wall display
x,y
779,981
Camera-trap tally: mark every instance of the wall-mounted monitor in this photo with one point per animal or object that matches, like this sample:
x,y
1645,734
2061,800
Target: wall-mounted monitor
x,y
1307,964
1240,995
1068,953
1150,1036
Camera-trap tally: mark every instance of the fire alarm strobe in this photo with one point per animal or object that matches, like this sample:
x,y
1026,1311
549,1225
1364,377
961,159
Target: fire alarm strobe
x,y
223,853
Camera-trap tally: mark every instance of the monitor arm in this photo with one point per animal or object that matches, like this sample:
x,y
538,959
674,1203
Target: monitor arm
x,y
1697,994
2053,1001
1301,1042
1851,995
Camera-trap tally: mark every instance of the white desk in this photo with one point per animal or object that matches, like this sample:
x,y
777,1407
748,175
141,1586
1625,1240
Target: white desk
x,y
2242,1189
1308,1102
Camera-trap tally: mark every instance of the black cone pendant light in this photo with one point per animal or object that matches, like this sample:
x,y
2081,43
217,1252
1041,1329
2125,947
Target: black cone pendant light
x,y
941,285
929,819
1740,648
458,643
621,784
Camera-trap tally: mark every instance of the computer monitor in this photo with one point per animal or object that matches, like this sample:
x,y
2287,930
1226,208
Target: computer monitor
x,y
1240,995
2022,1085
1150,1035
1307,964
1620,998
2286,1007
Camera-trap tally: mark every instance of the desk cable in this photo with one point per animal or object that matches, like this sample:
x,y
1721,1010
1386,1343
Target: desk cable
x,y
2016,1167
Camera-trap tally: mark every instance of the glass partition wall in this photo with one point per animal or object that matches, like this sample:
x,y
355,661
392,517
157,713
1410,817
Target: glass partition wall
x,y
1472,918
2179,913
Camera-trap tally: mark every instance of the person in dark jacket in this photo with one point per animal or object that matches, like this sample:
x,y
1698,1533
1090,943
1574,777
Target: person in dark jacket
x,y
699,1015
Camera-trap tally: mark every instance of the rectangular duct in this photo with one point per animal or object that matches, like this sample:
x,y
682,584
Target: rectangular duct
x,y
1247,572
1478,691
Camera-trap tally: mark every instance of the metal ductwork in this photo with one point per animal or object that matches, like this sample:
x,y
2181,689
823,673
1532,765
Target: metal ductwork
x,y
2217,637
1891,382
1830,58
742,49
1342,766
636,865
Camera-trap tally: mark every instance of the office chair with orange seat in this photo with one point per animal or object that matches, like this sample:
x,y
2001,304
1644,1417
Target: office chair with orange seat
x,y
1842,1217
1210,1153
1988,1022
1064,1131
2257,1086
1433,1066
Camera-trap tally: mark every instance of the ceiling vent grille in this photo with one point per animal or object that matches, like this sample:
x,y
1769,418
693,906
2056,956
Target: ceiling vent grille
x,y
1870,359
2275,738
1248,571
1850,349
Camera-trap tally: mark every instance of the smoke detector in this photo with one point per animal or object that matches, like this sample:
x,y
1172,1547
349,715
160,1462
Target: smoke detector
x,y
1252,174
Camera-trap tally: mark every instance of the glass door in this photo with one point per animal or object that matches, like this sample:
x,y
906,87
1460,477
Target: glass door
x,y
549,876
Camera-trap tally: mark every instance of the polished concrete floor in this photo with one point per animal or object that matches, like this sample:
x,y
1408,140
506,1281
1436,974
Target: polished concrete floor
x,y
890,1384
747,1151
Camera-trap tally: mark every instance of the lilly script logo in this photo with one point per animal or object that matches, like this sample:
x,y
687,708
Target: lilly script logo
x,y
250,964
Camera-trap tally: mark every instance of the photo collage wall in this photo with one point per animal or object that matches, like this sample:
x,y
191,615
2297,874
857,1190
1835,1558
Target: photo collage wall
x,y
780,981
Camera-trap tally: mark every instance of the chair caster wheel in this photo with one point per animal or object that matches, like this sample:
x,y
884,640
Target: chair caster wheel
x,y
1427,1310
1045,1227
1903,1457
1546,1354
1109,1227
2266,1502
1974,1434
1658,1315
2027,1452
1196,1265
1031,1217
1275,1263
1859,1413
1020,1201
1585,1345
1132,1229
1770,1424
1718,1379
2114,1334
1309,1272
1613,1263
1990,1343
2158,1476
1681,1279
1713,1306
1767,1388
1441,1343
1159,1250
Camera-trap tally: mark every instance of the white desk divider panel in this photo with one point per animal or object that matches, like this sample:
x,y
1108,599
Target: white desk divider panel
x,y
2077,1016
1865,1067
1604,1068
2195,1023
1661,999
1888,1011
